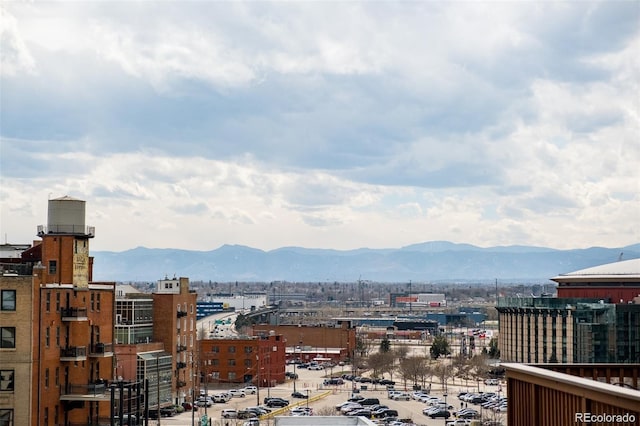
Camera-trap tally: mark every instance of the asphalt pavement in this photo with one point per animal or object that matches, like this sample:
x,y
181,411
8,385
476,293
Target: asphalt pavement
x,y
311,381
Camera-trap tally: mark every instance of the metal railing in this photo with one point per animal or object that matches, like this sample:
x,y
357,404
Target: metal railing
x,y
71,313
100,349
73,352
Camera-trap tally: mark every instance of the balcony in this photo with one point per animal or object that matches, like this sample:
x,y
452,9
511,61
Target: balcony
x,y
181,348
181,365
73,353
74,314
182,314
101,350
92,391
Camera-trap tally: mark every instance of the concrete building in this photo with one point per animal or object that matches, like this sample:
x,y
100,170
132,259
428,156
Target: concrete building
x,y
57,327
574,329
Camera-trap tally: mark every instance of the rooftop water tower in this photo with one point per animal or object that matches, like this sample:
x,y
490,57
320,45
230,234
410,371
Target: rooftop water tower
x,y
66,216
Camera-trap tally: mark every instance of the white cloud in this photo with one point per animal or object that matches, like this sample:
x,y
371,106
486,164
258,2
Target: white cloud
x,y
325,124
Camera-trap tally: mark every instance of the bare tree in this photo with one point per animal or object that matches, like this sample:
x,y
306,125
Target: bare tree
x,y
411,368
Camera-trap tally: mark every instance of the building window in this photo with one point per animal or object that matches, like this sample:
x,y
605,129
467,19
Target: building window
x,y
57,302
8,300
58,336
56,418
8,337
215,349
215,375
7,381
57,378
48,301
46,377
46,416
247,363
214,362
232,349
232,375
248,349
53,267
93,301
98,302
47,337
231,362
6,417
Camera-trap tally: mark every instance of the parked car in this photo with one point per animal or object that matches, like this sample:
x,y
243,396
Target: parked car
x,y
360,412
316,367
458,422
245,414
229,413
250,390
492,382
440,413
204,401
384,412
402,396
221,398
238,393
168,411
276,402
298,394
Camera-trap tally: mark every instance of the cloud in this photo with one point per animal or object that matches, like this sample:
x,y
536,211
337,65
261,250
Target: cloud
x,y
272,124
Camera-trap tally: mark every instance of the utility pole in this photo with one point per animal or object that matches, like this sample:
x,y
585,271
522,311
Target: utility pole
x,y
158,384
193,390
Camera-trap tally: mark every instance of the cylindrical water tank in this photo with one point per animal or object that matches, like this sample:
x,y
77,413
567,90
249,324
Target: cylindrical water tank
x,y
66,215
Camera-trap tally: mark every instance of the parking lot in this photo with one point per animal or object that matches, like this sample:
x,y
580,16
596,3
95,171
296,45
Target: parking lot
x,y
310,382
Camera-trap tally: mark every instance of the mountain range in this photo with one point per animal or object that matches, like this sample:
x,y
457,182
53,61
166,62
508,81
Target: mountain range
x,y
436,261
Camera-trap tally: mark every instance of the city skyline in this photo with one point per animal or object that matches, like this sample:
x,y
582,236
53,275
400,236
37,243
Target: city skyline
x,y
323,125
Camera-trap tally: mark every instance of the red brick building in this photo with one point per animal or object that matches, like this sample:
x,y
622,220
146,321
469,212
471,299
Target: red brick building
x,y
342,337
69,343
259,360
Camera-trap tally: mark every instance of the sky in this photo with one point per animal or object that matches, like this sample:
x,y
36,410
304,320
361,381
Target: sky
x,y
323,124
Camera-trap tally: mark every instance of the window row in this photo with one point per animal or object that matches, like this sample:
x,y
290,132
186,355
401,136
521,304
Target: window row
x,y
232,349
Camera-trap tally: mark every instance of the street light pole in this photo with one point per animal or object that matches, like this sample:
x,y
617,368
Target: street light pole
x,y
446,407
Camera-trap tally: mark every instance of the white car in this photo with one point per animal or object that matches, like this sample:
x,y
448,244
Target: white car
x,y
459,422
238,393
229,413
403,396
250,390
492,382
316,367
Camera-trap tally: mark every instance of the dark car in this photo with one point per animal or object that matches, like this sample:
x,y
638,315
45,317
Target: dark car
x,y
384,412
246,414
369,401
360,412
168,411
440,413
297,394
276,402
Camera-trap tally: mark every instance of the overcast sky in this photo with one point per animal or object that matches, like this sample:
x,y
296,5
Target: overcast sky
x,y
324,124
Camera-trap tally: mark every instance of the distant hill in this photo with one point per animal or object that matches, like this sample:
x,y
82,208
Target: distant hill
x,y
426,262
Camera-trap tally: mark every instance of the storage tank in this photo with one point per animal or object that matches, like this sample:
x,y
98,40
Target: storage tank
x,y
66,216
